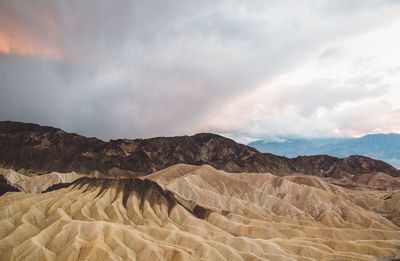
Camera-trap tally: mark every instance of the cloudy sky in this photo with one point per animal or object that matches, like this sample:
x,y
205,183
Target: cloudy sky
x,y
243,69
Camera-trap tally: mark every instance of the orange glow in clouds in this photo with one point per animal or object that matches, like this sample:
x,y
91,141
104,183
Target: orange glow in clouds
x,y
4,44
22,43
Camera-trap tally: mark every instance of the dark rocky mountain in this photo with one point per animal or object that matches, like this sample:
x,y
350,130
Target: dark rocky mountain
x,y
34,149
384,147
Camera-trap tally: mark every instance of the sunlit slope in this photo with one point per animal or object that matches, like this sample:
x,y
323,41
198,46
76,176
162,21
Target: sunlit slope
x,y
290,196
37,183
199,213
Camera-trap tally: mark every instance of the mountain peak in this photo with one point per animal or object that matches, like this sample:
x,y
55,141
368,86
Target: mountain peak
x,y
31,148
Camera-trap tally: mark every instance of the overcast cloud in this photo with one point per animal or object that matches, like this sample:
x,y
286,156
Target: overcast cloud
x,y
245,69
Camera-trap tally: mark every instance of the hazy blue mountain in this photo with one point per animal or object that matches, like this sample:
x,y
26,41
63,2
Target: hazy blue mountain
x,y
384,147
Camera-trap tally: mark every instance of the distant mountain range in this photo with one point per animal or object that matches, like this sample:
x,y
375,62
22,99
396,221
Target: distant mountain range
x,y
384,147
31,149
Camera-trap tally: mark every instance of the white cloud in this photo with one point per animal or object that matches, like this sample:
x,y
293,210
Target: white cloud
x,y
345,88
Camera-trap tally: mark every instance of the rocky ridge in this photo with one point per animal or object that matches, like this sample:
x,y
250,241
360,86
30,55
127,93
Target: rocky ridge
x,y
32,149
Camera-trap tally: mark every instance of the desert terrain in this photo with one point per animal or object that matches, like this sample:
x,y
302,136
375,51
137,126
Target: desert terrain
x,y
306,208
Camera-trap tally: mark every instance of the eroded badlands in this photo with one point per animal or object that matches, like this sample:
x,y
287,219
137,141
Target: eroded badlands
x,y
189,212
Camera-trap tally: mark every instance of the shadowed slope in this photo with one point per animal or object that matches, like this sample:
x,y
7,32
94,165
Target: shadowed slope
x,y
5,187
144,189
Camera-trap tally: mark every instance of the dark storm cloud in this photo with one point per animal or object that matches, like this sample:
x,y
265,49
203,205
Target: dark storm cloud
x,y
147,68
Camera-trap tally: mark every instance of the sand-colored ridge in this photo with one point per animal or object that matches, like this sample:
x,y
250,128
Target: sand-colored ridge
x,y
37,184
199,213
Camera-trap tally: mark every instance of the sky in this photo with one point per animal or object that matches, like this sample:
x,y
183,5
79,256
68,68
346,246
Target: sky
x,y
243,69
